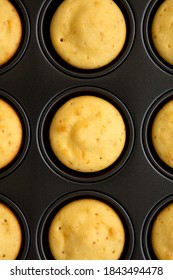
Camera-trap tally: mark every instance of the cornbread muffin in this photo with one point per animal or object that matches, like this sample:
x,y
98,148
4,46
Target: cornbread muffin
x,y
10,234
87,134
86,229
162,133
10,133
162,30
88,34
162,234
10,31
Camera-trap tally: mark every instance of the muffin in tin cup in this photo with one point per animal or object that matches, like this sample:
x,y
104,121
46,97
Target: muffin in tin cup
x,y
156,134
157,33
156,233
17,25
81,125
95,232
15,134
44,38
15,233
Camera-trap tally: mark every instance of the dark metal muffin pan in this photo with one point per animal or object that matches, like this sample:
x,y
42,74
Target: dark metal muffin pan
x,y
36,81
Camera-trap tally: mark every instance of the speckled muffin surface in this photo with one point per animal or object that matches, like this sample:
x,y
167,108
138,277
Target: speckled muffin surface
x,y
10,31
162,29
10,234
162,133
88,34
11,133
86,229
162,234
87,134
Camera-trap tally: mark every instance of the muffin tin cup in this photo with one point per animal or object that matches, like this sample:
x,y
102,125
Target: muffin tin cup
x,y
147,144
26,134
45,221
43,135
18,4
43,25
147,37
146,244
138,78
23,224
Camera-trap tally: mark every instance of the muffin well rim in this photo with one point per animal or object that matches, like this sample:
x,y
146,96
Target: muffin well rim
x,y
43,141
23,223
43,249
146,141
54,59
15,163
145,236
148,44
19,5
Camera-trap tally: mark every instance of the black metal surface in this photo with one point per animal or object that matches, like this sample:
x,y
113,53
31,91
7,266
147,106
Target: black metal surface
x,y
137,81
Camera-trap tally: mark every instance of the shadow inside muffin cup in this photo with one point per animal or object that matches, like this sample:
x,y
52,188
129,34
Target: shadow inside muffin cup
x,y
147,36
23,225
25,134
18,4
44,142
146,244
146,136
42,244
44,20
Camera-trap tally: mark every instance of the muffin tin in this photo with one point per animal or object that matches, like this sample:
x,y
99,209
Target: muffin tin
x,y
36,82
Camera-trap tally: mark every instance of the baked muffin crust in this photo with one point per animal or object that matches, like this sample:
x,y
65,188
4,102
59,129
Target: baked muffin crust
x,y
162,234
10,234
10,31
162,30
11,133
88,34
86,229
162,133
87,134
